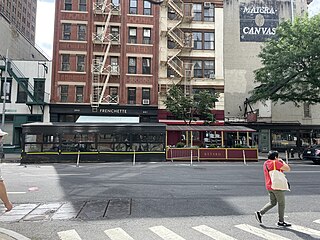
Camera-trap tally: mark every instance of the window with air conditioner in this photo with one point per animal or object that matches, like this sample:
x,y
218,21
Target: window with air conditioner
x,y
145,101
145,96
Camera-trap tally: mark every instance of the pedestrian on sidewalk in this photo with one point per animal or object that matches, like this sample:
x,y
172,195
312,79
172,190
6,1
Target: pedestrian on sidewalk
x,y
3,191
276,196
4,196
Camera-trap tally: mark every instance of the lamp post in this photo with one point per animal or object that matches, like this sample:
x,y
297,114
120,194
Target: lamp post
x,y
292,12
4,91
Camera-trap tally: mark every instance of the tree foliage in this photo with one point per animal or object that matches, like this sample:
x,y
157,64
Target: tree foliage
x,y
291,64
190,108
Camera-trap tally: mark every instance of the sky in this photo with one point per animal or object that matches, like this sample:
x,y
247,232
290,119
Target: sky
x,y
45,23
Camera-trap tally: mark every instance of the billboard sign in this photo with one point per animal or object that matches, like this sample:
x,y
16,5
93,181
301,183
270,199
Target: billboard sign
x,y
258,21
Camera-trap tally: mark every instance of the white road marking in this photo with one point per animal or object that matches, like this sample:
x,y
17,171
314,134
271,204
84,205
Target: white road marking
x,y
306,230
117,234
69,235
212,233
260,232
165,233
16,192
317,221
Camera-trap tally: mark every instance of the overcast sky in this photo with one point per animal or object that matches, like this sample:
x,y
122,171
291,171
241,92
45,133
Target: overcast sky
x,y
45,23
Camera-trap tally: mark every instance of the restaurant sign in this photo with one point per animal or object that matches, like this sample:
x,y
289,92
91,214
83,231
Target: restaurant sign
x,y
258,22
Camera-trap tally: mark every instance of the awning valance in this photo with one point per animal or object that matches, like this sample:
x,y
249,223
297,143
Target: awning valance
x,y
209,128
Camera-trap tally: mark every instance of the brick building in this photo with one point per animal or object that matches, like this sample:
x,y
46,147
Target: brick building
x,y
105,60
117,58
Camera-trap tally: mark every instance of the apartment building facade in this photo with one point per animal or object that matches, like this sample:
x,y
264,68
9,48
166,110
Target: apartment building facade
x,y
191,50
247,25
22,16
26,85
105,60
118,58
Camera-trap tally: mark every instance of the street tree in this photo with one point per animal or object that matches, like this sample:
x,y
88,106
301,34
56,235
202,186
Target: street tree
x,y
291,64
188,108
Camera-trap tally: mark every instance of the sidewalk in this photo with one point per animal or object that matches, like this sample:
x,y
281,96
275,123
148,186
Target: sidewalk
x,y
6,234
11,158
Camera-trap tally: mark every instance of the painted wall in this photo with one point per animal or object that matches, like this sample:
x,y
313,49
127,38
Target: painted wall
x,y
240,58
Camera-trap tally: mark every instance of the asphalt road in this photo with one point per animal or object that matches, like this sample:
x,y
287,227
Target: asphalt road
x,y
100,201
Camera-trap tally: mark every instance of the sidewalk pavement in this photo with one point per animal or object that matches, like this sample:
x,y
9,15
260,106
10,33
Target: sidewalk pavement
x,y
11,158
6,234
16,157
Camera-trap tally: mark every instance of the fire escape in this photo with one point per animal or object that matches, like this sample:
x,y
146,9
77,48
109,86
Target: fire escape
x,y
101,72
183,13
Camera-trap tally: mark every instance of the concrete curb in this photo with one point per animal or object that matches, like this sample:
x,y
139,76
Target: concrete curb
x,y
11,235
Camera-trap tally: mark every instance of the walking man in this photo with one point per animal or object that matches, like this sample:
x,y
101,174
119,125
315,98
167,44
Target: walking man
x,y
276,196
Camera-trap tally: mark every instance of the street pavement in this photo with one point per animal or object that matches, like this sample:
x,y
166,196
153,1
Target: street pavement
x,y
127,214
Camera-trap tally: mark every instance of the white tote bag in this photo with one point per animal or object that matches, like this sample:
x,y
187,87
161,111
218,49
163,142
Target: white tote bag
x,y
278,179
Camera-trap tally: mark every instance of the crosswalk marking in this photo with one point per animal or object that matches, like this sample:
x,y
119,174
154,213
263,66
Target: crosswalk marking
x,y
305,230
317,221
261,233
117,234
165,233
69,235
214,234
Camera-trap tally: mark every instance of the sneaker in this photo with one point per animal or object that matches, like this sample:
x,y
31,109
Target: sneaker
x,y
283,224
258,216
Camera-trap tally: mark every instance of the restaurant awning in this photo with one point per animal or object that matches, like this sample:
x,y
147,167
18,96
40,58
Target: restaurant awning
x,y
209,128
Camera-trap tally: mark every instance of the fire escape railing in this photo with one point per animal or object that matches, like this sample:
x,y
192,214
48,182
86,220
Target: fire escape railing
x,y
100,72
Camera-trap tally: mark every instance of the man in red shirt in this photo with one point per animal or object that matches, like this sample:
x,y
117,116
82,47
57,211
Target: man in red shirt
x,y
276,196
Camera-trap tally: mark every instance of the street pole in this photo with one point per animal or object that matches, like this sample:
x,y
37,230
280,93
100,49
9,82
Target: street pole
x,y
4,91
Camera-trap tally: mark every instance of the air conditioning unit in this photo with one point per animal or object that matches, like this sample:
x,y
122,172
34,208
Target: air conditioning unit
x,y
207,4
212,76
145,101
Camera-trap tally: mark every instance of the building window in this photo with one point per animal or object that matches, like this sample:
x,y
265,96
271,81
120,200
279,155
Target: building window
x,y
114,62
82,32
113,91
209,40
82,5
197,38
147,36
197,11
203,69
146,8
22,94
146,65
208,14
133,7
39,86
116,3
203,40
306,110
145,95
65,62
64,93
79,94
132,35
208,69
68,5
114,31
66,31
132,65
171,14
80,63
131,95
